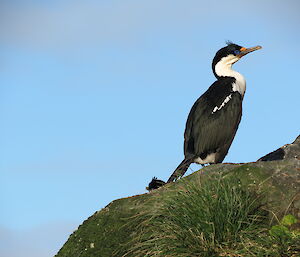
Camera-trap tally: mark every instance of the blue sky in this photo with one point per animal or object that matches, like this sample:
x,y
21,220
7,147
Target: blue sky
x,y
95,95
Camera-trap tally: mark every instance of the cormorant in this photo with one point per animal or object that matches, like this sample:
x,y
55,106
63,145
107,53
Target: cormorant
x,y
214,118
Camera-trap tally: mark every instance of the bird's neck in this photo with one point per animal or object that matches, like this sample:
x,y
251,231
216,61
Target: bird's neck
x,y
224,69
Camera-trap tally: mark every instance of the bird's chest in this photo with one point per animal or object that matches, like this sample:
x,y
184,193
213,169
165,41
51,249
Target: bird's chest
x,y
240,84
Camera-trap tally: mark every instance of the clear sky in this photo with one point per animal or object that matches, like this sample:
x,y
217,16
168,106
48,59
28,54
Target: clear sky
x,y
95,95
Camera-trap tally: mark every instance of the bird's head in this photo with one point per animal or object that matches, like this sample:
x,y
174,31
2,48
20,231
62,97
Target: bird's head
x,y
229,55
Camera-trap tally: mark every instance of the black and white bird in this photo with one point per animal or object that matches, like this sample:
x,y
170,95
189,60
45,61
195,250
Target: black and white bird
x,y
214,118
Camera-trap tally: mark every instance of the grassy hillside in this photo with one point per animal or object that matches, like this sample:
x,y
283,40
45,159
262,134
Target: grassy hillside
x,y
248,209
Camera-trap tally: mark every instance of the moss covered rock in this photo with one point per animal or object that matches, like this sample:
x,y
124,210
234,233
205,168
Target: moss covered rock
x,y
110,231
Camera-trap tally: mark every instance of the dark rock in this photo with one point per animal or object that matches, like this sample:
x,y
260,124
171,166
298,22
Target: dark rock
x,y
273,156
287,151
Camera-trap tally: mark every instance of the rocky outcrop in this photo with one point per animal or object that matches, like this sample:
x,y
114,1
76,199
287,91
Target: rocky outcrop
x,y
288,151
276,176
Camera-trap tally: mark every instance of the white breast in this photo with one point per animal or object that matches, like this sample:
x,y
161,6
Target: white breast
x,y
240,84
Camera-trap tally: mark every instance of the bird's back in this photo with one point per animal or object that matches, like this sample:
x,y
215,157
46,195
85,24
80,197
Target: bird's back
x,y
213,121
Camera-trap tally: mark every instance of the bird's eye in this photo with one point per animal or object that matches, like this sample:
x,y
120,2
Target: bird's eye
x,y
237,51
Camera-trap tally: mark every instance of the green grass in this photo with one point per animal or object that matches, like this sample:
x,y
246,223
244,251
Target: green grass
x,y
215,218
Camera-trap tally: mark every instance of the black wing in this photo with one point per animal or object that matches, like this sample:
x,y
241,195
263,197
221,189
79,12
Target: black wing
x,y
210,131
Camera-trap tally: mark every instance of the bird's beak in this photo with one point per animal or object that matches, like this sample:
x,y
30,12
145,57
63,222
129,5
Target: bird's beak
x,y
245,51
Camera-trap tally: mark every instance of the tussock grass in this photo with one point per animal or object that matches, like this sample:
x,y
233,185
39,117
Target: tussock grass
x,y
198,219
217,217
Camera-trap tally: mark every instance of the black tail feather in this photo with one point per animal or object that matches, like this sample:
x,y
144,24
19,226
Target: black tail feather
x,y
180,170
155,183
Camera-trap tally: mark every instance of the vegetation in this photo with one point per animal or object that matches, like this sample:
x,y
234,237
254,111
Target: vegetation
x,y
224,210
215,218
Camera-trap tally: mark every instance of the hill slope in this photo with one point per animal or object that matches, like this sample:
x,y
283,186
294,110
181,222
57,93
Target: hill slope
x,y
222,209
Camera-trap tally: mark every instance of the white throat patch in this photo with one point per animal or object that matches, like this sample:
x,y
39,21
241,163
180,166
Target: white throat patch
x,y
224,69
